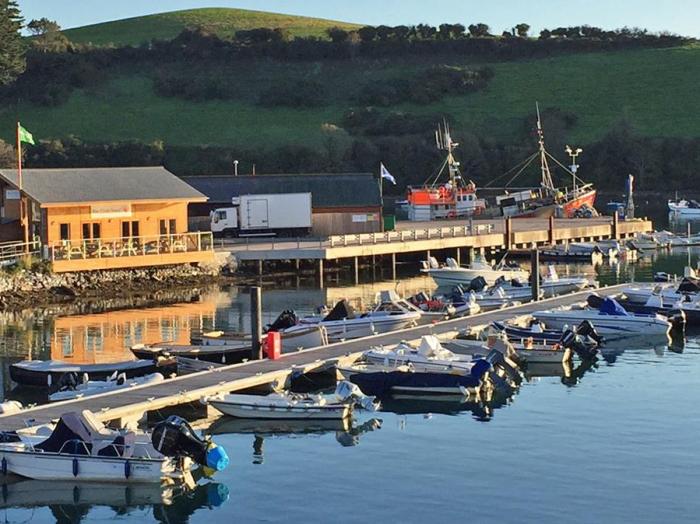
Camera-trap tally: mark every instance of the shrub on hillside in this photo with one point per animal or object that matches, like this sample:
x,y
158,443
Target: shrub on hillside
x,y
299,93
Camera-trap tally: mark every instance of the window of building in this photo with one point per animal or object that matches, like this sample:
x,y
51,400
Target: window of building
x,y
91,231
168,227
64,231
130,228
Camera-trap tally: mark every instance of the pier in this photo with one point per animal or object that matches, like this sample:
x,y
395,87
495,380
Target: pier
x,y
412,239
134,403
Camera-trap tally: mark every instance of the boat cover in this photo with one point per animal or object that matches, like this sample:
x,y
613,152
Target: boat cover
x,y
430,347
610,306
342,310
689,285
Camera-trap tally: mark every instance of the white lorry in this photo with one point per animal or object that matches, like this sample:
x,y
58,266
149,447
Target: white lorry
x,y
285,214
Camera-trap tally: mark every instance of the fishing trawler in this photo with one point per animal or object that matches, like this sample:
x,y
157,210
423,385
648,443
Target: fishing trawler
x,y
548,200
453,198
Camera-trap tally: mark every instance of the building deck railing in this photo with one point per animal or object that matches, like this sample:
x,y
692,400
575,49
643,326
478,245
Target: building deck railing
x,y
11,251
131,246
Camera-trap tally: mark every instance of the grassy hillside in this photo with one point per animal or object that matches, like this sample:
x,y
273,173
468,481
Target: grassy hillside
x,y
223,21
655,89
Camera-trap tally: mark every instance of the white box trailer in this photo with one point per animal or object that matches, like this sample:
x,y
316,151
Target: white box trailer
x,y
284,214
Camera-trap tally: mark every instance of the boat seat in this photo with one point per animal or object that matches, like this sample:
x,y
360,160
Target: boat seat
x,y
121,446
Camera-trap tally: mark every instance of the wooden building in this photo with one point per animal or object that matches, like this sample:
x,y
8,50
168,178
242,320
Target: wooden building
x,y
342,203
106,218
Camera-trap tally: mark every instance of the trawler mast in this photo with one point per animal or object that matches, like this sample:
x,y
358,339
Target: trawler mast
x,y
547,181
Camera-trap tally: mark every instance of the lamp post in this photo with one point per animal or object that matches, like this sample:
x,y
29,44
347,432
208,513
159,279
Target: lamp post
x,y
573,153
235,168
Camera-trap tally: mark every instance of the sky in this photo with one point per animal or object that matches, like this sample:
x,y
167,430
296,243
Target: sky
x,y
677,16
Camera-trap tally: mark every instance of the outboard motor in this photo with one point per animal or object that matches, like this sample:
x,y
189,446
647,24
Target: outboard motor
x,y
574,342
477,284
586,329
287,319
174,437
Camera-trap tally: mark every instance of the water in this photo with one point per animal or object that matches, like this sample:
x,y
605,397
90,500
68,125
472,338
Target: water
x,y
616,441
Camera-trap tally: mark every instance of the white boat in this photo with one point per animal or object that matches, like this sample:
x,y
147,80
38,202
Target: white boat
x,y
81,448
342,323
70,388
311,337
552,284
293,406
452,274
429,356
610,319
496,297
670,292
684,208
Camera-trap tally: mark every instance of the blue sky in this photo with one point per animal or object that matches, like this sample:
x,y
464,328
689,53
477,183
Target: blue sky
x,y
678,16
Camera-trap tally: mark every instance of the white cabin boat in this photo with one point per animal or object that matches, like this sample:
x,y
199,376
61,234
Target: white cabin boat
x,y
70,388
452,274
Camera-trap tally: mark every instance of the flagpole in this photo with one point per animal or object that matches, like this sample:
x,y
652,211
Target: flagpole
x,y
381,197
24,222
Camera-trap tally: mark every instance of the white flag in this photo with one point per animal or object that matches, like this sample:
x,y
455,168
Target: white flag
x,y
384,172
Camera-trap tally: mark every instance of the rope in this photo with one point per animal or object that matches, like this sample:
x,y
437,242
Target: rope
x,y
523,163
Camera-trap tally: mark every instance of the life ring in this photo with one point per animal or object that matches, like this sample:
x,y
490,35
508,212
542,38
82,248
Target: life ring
x,y
452,214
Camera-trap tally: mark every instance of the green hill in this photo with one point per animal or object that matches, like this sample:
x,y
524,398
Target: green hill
x,y
222,21
656,90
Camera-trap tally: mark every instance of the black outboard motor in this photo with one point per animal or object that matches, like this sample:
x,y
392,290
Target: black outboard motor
x,y
477,284
174,437
287,319
571,340
586,329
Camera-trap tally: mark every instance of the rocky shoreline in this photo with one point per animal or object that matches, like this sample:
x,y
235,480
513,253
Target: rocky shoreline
x,y
23,289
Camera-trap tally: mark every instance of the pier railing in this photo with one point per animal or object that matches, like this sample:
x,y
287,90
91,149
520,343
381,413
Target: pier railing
x,y
412,234
10,252
131,246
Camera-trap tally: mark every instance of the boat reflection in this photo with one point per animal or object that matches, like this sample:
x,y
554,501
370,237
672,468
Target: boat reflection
x,y
347,431
480,409
569,373
73,501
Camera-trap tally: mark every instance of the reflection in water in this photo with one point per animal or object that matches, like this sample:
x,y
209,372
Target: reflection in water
x,y
72,502
347,432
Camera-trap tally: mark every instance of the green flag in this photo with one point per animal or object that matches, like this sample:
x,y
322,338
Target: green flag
x,y
25,136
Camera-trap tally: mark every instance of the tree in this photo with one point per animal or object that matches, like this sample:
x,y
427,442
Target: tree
x,y
337,35
479,30
48,37
7,155
12,60
522,30
367,33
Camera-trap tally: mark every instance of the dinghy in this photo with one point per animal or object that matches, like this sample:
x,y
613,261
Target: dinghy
x,y
339,405
81,448
218,354
71,385
44,373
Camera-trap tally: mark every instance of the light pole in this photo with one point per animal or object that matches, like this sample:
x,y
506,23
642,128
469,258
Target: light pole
x,y
235,168
573,153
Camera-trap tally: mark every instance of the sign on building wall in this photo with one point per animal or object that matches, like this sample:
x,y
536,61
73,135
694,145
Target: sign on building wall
x,y
12,194
368,217
110,211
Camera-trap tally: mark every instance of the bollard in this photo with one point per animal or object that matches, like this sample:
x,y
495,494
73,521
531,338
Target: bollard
x,y
256,322
535,274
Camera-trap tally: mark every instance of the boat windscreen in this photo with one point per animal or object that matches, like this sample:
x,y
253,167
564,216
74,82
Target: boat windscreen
x,y
610,306
342,310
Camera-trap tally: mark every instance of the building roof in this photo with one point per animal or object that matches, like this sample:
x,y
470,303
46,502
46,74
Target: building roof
x,y
101,184
327,190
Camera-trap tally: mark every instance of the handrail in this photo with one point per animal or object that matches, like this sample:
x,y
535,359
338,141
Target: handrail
x,y
196,241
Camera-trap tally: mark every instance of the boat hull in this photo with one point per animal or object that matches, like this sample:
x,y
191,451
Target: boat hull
x,y
611,326
60,466
444,277
338,330
260,411
570,207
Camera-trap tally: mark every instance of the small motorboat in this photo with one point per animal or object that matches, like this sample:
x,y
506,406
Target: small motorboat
x,y
452,274
81,448
430,355
684,208
438,308
385,379
683,311
343,323
44,373
539,333
669,292
287,405
218,354
72,385
573,252
608,316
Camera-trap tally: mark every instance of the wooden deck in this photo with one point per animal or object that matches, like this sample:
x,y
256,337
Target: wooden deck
x,y
134,402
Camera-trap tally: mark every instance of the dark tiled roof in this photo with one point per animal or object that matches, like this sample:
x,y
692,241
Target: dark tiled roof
x,y
101,184
327,190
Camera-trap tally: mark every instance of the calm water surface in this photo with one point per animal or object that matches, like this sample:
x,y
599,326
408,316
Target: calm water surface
x,y
615,442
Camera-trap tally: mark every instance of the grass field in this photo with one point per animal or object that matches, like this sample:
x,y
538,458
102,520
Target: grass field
x,y
654,89
223,21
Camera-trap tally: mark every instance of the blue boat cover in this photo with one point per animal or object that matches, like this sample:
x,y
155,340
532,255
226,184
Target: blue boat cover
x,y
610,306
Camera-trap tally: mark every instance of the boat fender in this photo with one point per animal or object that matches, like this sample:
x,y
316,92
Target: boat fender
x,y
217,459
75,467
217,494
4,466
127,469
